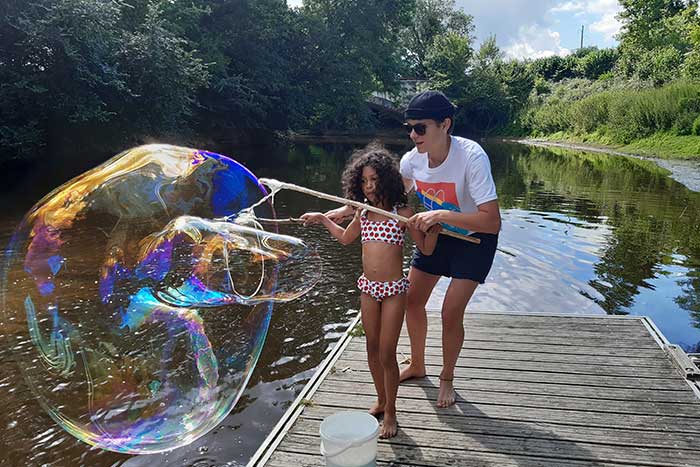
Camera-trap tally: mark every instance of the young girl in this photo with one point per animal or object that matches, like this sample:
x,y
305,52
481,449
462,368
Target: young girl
x,y
372,176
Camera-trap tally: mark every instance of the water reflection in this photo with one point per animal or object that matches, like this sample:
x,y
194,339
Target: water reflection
x,y
582,233
628,237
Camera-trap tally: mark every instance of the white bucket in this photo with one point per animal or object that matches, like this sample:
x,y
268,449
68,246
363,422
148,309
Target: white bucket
x,y
349,439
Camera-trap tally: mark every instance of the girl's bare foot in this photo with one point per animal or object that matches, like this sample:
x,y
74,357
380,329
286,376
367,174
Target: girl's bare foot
x,y
411,371
446,396
377,409
390,426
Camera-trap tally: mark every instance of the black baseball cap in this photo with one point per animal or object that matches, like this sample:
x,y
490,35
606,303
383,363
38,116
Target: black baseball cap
x,y
429,104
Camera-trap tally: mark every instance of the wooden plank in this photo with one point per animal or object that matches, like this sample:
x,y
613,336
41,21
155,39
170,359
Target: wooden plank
x,y
651,353
691,410
542,388
574,338
515,376
505,427
552,339
504,364
548,414
296,459
569,329
534,319
534,356
425,456
541,444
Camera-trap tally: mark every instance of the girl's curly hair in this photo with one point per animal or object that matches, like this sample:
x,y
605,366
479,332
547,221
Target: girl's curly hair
x,y
390,188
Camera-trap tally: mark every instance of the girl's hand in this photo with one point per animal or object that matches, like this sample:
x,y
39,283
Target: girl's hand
x,y
434,229
313,218
423,221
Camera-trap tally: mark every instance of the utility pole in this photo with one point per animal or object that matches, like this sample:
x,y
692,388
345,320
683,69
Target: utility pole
x,y
582,35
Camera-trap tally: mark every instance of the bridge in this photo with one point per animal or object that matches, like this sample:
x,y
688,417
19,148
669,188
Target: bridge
x,y
391,106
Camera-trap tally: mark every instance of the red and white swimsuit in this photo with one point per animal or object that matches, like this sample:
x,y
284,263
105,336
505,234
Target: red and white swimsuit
x,y
388,231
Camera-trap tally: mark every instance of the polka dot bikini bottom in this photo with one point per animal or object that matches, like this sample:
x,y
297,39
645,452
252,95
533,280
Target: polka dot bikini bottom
x,y
379,290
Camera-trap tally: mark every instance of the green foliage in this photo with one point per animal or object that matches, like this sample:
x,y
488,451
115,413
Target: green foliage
x,y
431,20
656,38
103,74
623,113
448,60
78,69
696,126
554,68
597,63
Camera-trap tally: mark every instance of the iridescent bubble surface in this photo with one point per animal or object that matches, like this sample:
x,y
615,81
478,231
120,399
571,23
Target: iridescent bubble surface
x,y
142,305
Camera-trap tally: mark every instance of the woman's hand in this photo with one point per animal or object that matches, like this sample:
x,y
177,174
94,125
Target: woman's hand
x,y
313,218
423,221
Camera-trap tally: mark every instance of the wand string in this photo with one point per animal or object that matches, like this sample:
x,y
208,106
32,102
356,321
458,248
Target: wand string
x,y
276,185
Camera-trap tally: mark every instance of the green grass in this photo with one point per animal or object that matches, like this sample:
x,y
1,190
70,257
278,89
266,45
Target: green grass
x,y
660,145
666,146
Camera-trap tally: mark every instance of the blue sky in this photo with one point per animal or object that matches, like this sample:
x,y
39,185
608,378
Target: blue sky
x,y
538,28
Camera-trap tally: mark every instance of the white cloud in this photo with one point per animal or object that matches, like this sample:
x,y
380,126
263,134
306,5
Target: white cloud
x,y
536,42
526,28
568,7
607,11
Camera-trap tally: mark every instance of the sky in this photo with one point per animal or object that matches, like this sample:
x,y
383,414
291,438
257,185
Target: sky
x,y
540,28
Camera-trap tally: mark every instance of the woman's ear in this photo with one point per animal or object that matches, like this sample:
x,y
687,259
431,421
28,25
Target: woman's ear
x,y
446,124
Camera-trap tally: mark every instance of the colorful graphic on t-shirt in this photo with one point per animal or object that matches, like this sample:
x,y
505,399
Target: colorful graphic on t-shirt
x,y
440,196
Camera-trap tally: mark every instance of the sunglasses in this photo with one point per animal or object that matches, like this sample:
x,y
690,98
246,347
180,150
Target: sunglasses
x,y
419,128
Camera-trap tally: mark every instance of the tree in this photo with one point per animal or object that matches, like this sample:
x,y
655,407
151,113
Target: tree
x,y
554,68
655,38
82,71
354,51
432,19
597,62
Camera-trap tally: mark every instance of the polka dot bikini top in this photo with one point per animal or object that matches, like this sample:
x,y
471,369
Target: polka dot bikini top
x,y
387,231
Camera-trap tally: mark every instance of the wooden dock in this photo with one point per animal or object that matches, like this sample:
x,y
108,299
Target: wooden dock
x,y
533,390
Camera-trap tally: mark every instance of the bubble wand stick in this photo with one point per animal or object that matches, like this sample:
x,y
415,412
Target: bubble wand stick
x,y
276,185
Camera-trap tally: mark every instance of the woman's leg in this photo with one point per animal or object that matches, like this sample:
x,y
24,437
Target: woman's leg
x,y
392,320
371,322
457,297
422,285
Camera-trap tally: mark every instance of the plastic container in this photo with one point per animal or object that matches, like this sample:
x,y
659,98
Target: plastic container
x,y
349,439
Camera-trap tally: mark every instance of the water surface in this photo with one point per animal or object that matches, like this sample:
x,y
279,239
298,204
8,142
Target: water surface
x,y
582,233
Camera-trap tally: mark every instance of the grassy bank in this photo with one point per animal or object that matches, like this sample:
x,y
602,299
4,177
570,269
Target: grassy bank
x,y
664,146
621,115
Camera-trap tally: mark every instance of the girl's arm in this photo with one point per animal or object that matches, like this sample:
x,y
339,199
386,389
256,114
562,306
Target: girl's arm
x,y
345,235
425,241
340,214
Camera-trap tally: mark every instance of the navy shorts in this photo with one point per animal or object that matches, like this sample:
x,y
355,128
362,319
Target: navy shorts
x,y
458,258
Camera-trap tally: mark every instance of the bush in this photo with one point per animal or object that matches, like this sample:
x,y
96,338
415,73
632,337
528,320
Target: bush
x,y
590,113
696,126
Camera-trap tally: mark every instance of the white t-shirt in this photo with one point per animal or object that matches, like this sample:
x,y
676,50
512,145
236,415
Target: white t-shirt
x,y
461,183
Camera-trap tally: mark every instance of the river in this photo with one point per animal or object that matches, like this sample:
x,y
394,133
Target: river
x,y
582,233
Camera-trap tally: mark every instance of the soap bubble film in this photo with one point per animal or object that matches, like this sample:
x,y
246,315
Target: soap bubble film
x,y
143,300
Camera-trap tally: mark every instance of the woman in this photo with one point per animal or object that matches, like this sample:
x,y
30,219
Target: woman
x,y
452,178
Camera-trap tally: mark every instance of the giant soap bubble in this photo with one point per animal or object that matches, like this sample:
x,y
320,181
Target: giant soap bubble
x,y
139,304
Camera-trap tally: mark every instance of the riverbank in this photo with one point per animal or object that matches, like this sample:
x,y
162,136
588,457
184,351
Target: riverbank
x,y
685,170
658,146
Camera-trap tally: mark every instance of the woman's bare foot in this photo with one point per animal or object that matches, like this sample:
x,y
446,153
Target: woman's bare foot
x,y
446,396
390,426
410,372
377,409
